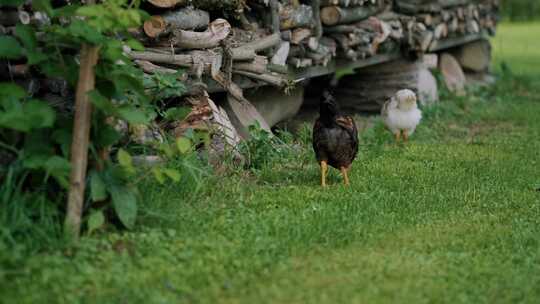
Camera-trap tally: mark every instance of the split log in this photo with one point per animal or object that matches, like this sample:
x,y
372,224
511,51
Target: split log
x,y
295,16
298,35
182,19
218,30
333,15
280,57
474,56
246,114
453,75
440,31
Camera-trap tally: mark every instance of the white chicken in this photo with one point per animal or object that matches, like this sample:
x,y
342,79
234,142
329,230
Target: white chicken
x,y
401,114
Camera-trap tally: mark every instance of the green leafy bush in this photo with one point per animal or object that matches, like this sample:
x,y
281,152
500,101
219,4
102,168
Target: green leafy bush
x,y
35,137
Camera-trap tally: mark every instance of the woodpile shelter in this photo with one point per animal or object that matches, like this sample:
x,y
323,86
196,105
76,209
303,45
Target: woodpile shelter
x,y
260,59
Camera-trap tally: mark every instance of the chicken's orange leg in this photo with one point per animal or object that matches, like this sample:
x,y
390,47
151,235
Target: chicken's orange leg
x,y
397,135
405,135
345,175
324,169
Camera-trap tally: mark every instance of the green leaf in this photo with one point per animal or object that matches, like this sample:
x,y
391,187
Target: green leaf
x,y
10,48
133,115
59,168
158,174
63,138
172,174
183,144
26,116
43,6
98,189
13,3
126,161
11,90
135,45
125,204
26,35
113,50
39,113
177,113
95,221
106,136
101,102
82,30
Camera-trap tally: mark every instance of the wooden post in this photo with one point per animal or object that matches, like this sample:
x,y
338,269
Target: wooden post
x,y
80,140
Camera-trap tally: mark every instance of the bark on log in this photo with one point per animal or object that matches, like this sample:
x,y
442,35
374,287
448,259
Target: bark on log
x,y
218,30
182,19
333,15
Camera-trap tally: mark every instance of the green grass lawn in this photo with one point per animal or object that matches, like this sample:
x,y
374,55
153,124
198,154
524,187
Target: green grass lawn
x,y
518,45
451,217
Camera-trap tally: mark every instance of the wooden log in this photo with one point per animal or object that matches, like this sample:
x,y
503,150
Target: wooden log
x,y
246,113
453,75
274,16
182,19
280,57
440,31
300,62
333,15
218,30
168,3
474,56
295,16
216,5
423,39
316,8
272,79
256,46
300,34
258,65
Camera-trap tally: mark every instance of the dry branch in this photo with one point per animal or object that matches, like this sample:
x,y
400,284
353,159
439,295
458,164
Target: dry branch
x,y
81,137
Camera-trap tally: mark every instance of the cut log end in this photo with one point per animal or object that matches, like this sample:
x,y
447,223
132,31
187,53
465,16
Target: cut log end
x,y
154,26
330,15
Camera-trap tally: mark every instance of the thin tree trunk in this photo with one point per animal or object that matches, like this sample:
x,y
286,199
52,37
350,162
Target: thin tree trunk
x,y
81,138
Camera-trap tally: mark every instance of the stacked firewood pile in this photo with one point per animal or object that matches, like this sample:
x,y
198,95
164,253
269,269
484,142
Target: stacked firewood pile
x,y
262,38
429,21
228,43
218,41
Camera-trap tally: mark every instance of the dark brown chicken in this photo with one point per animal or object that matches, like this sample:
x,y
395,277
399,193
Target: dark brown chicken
x,y
335,139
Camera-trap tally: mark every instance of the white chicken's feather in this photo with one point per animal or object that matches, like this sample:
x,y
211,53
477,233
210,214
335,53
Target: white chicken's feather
x,y
400,114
